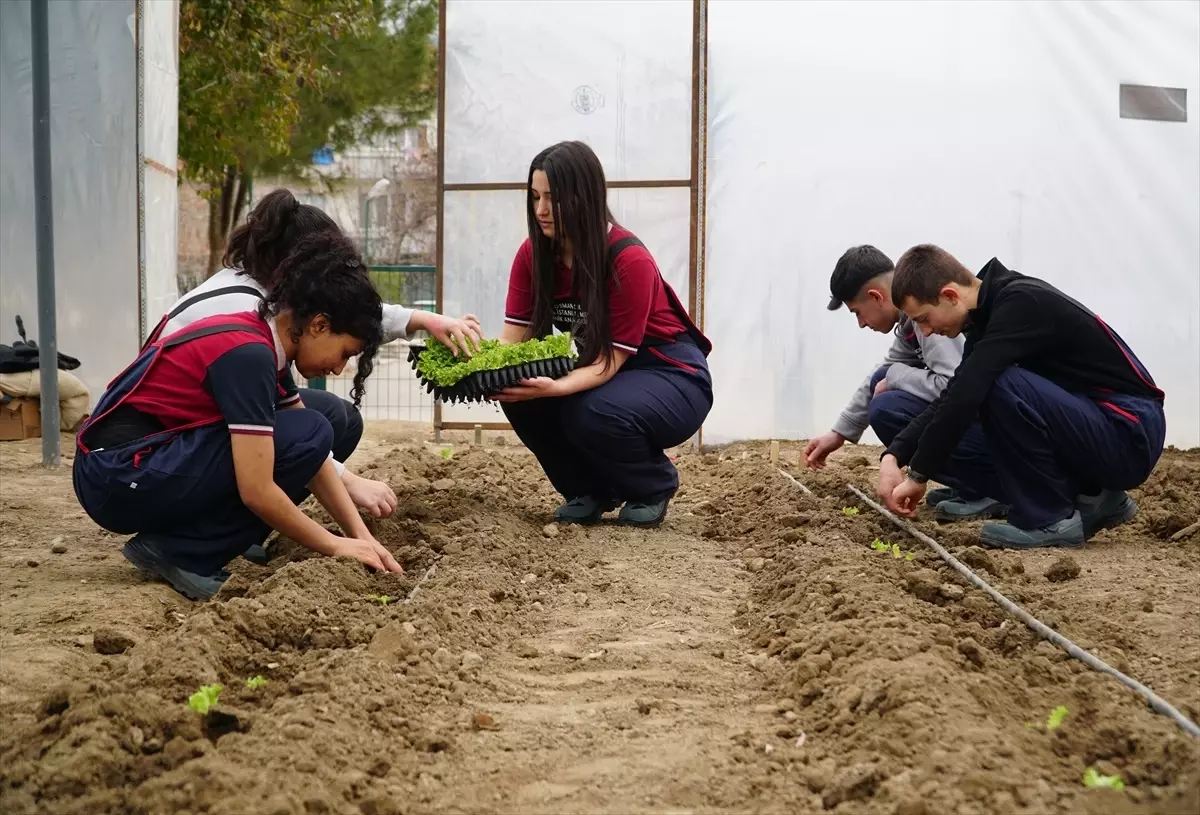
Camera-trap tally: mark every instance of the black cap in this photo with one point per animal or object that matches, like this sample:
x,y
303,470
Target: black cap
x,y
854,268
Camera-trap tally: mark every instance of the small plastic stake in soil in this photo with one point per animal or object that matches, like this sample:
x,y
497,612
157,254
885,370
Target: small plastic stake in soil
x,y
428,573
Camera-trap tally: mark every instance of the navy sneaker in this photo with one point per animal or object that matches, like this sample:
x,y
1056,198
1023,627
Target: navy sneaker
x,y
1067,533
940,494
1104,511
960,509
258,553
637,513
147,555
583,510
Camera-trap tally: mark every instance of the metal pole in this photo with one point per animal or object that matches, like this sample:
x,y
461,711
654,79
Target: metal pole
x,y
44,220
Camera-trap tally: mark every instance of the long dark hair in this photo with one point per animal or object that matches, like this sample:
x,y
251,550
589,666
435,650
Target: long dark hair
x,y
579,196
272,228
324,274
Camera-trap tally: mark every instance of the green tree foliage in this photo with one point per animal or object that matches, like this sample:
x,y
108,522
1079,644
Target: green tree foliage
x,y
262,83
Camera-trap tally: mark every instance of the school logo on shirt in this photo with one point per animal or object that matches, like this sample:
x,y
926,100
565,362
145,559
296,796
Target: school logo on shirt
x,y
567,314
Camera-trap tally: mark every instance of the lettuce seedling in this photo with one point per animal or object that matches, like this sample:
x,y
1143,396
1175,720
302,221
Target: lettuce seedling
x,y
255,682
850,512
1095,780
447,453
1056,717
382,599
894,548
205,699
437,364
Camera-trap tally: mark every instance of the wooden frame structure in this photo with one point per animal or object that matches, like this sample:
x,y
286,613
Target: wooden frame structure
x,y
695,183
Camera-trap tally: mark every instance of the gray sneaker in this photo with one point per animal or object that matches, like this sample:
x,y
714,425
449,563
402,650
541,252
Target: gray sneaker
x,y
583,510
960,509
936,496
642,514
1104,511
145,553
1067,533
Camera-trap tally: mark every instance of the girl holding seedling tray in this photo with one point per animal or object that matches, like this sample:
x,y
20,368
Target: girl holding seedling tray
x,y
640,383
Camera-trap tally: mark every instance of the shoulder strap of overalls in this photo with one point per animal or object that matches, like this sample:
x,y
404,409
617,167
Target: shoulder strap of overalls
x,y
701,341
220,328
191,301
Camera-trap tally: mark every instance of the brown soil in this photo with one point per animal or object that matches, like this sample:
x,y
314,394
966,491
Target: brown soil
x,y
754,654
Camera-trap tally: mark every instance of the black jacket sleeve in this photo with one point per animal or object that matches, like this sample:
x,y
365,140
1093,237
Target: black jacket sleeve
x,y
1018,327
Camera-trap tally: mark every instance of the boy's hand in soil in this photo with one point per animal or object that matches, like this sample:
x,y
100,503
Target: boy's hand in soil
x,y
906,497
890,478
389,563
375,497
818,449
368,552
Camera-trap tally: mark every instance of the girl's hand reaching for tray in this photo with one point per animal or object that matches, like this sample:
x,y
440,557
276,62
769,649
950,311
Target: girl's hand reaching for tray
x,y
536,388
460,336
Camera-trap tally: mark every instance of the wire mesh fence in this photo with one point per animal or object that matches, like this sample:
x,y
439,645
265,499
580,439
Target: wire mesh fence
x,y
392,391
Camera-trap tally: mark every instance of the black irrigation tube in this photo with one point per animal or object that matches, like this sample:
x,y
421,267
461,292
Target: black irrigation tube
x,y
1155,701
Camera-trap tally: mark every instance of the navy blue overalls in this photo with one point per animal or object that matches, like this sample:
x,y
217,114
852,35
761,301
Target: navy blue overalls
x,y
1050,446
177,486
608,442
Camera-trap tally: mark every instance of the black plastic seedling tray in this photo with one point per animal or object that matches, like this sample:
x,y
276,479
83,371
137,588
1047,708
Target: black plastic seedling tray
x,y
478,386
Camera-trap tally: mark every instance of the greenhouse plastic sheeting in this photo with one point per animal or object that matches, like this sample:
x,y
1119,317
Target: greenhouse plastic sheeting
x,y
94,131
523,74
484,229
991,129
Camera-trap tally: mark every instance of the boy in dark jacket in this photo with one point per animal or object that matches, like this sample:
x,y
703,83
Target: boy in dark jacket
x,y
1072,418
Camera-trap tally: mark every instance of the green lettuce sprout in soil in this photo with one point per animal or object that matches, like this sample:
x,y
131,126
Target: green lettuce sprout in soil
x,y
382,599
205,699
1056,717
894,548
439,365
447,453
1093,780
255,682
850,512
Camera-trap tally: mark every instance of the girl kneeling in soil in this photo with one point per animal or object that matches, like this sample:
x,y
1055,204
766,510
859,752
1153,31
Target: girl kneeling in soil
x,y
188,450
641,384
251,270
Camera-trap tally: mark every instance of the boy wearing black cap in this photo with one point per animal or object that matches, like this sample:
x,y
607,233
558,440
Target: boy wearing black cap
x,y
913,373
1072,418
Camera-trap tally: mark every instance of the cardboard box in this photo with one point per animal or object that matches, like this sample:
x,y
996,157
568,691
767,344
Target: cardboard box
x,y
20,419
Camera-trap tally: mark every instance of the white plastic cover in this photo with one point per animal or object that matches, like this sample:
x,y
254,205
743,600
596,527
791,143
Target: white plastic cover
x,y
160,143
94,132
483,230
991,129
524,74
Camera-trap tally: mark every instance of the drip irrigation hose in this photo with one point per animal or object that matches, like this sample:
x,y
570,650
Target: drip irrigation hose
x,y
1156,702
428,573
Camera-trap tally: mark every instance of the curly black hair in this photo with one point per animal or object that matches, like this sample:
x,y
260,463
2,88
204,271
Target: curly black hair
x,y
324,274
272,228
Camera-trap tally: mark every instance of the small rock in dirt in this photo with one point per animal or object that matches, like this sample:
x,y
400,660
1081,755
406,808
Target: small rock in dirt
x,y
484,721
471,661
971,650
408,627
524,650
1155,660
59,548
380,768
756,565
792,521
1065,568
550,530
764,708
749,553
785,704
581,598
152,746
924,583
1147,606
295,731
853,784
856,462
849,698
453,548
979,559
790,536
108,641
529,578
644,706
536,606
443,484
31,563
443,659
952,592
790,716
136,737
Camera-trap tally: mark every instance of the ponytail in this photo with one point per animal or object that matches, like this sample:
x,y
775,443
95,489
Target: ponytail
x,y
270,232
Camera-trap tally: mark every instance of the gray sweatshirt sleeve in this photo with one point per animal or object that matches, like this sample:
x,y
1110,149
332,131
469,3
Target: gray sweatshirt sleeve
x,y
941,358
395,322
853,421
